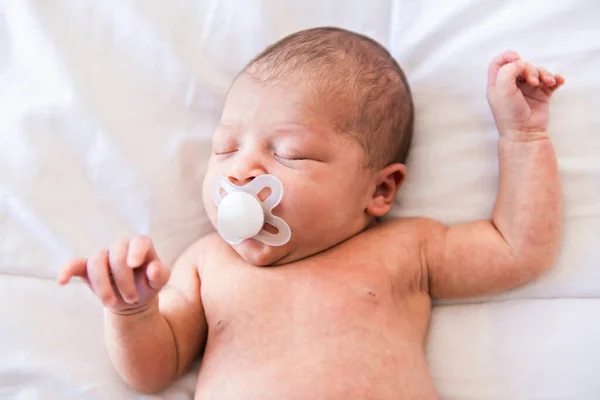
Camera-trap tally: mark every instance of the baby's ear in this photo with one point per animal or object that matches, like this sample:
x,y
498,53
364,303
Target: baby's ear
x,y
387,182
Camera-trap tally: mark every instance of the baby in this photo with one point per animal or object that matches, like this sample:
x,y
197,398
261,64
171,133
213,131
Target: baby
x,y
339,309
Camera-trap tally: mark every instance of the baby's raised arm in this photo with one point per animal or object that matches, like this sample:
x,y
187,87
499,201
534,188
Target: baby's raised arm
x,y
522,239
152,338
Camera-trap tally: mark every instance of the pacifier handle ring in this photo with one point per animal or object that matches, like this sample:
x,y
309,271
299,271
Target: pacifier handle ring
x,y
215,188
275,239
261,182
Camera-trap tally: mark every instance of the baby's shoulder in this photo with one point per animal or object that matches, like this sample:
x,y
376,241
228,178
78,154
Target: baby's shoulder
x,y
402,238
409,230
202,250
211,244
209,241
397,244
397,238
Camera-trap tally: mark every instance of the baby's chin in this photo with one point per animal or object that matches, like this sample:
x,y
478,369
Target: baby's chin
x,y
257,253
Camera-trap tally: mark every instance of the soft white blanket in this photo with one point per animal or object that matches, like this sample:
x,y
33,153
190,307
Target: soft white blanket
x,y
106,111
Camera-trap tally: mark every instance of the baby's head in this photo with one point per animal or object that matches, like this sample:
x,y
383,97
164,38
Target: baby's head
x,y
329,112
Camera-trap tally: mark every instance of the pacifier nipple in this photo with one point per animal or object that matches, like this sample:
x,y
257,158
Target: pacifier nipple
x,y
240,216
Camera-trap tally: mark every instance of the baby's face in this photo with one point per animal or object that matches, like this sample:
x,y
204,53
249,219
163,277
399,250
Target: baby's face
x,y
283,130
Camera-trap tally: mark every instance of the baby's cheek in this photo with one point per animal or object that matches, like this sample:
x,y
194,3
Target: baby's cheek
x,y
307,210
319,217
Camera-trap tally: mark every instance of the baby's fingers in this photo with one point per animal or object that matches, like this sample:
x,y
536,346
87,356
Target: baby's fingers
x,y
551,81
508,76
560,80
531,74
75,268
498,62
141,250
122,275
158,275
100,280
547,77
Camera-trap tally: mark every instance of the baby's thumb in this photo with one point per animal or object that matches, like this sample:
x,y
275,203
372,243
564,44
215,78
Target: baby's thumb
x,y
158,274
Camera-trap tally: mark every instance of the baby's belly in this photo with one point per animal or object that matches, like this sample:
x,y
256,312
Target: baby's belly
x,y
336,368
315,341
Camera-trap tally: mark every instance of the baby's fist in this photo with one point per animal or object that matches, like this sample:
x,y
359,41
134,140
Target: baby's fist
x,y
125,277
519,93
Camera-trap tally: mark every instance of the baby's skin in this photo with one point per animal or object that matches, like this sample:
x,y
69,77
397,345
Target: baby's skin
x,y
342,310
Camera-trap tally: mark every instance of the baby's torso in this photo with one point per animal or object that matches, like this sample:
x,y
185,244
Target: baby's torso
x,y
347,324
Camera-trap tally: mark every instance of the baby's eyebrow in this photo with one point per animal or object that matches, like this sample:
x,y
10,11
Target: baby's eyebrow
x,y
278,131
228,127
294,130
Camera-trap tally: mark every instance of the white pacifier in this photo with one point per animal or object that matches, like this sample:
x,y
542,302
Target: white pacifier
x,y
242,215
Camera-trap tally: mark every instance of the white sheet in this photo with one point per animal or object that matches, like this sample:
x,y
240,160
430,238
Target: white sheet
x,y
106,111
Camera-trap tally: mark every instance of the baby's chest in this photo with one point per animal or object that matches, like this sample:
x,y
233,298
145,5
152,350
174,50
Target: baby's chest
x,y
320,294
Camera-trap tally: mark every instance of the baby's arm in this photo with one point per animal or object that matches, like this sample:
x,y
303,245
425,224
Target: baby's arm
x,y
152,348
522,239
153,341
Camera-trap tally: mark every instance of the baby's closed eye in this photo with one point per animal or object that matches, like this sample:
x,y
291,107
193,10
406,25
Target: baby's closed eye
x,y
221,152
294,153
291,156
290,160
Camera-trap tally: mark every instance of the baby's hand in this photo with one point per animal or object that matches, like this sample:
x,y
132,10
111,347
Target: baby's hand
x,y
519,94
125,277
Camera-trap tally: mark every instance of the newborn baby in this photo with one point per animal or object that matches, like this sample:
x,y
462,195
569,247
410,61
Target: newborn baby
x,y
339,309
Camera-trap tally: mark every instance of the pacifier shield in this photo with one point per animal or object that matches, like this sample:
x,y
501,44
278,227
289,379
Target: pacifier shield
x,y
242,215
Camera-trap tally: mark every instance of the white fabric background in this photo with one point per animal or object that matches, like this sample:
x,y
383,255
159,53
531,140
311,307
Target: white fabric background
x,y
106,112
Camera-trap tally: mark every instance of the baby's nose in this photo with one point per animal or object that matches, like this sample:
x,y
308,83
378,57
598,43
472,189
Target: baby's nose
x,y
240,181
245,168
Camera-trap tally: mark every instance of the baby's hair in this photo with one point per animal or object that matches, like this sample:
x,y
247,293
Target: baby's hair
x,y
368,87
